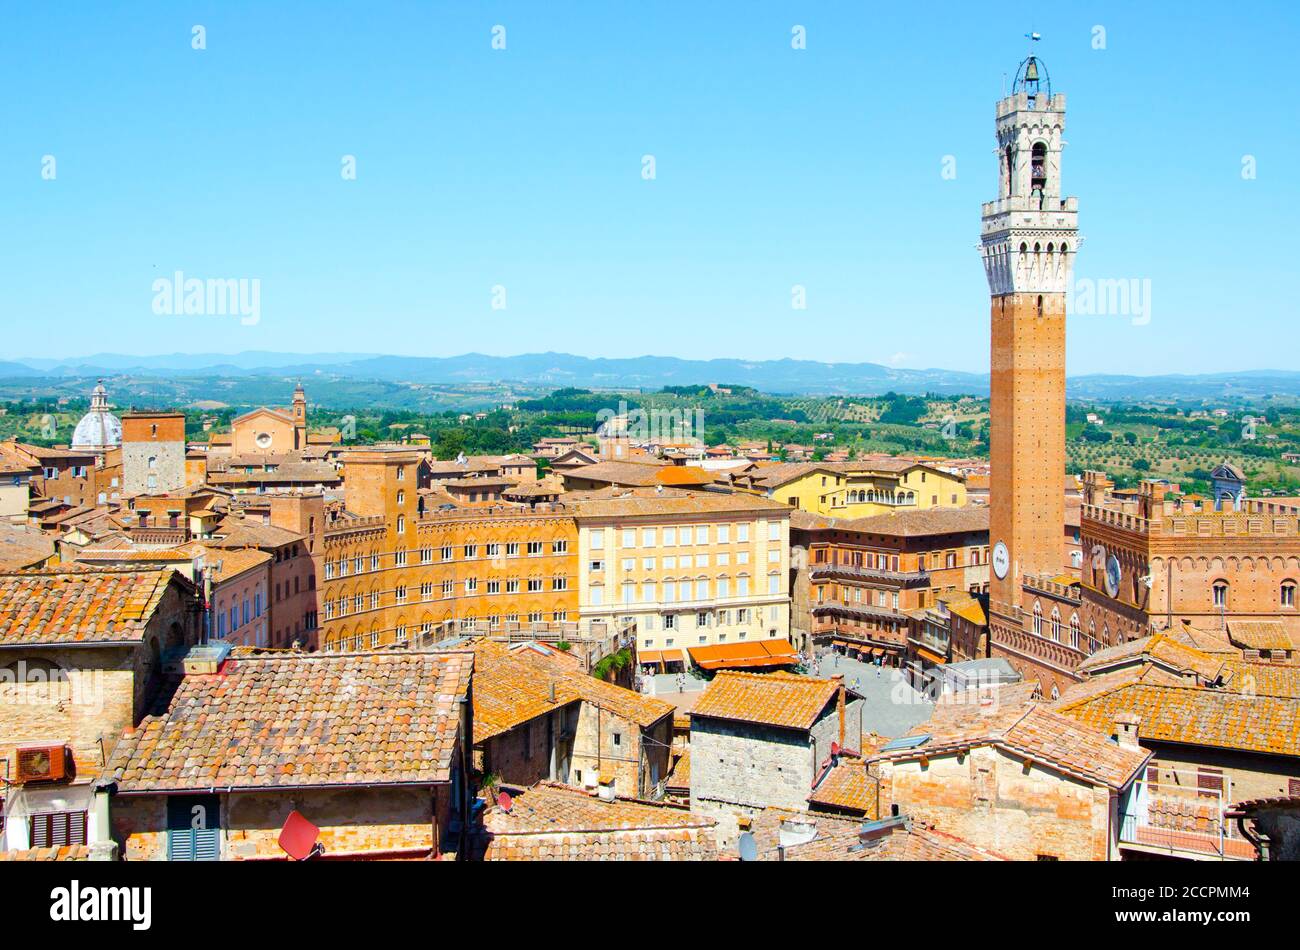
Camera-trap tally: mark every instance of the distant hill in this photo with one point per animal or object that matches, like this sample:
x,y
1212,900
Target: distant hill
x,y
645,372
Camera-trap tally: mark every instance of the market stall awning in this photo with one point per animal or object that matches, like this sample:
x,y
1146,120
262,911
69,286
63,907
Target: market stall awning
x,y
749,655
930,656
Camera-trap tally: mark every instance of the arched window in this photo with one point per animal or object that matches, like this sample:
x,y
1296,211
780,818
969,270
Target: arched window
x,y
1288,594
1038,167
1038,618
1074,631
1221,593
1056,625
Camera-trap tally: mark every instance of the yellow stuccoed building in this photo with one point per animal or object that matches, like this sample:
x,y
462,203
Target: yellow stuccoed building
x,y
857,489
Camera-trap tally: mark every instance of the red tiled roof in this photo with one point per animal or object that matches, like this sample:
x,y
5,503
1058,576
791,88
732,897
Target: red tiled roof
x,y
1012,719
67,852
773,699
79,606
840,839
290,720
551,822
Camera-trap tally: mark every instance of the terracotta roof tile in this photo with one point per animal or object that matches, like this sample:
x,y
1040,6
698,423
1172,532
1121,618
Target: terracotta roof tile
x,y
1013,719
839,839
773,699
79,605
69,852
1260,635
512,687
847,787
286,720
1191,715
551,822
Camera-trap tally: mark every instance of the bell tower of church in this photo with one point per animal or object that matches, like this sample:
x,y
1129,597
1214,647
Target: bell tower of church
x,y
1029,239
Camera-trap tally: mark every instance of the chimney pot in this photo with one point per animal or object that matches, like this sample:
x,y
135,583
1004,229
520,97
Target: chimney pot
x,y
1126,729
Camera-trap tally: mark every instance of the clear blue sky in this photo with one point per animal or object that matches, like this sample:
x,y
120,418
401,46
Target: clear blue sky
x,y
522,168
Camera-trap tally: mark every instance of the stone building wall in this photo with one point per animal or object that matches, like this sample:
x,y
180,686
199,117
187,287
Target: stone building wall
x,y
355,821
997,801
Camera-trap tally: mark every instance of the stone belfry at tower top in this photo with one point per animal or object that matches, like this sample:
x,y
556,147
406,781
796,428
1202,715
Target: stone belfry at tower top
x,y
1030,233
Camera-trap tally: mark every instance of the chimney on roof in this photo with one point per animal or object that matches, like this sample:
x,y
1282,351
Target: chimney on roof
x,y
1126,729
838,680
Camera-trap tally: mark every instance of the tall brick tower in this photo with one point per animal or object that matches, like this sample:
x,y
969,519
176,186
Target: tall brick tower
x,y
1029,238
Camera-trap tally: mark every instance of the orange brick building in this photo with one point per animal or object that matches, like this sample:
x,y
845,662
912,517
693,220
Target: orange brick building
x,y
394,568
871,579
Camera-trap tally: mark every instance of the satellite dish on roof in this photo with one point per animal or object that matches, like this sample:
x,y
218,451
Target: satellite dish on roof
x,y
504,801
747,847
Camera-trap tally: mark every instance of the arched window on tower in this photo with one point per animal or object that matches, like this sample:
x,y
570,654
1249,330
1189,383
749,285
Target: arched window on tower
x,y
1038,618
1038,171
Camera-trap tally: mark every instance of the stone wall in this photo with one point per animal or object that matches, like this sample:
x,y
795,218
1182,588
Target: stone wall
x,y
354,821
997,801
748,765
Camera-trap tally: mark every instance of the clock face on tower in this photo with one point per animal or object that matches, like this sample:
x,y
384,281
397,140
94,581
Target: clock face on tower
x,y
1112,576
1001,560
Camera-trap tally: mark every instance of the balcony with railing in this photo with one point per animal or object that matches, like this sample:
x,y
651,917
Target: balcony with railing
x,y
1181,821
855,572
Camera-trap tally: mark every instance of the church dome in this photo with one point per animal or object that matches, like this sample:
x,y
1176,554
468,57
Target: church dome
x,y
98,430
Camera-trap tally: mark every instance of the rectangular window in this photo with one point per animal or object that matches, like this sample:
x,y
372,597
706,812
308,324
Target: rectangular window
x,y
724,534
742,531
647,537
670,536
56,829
629,537
702,534
598,540
559,547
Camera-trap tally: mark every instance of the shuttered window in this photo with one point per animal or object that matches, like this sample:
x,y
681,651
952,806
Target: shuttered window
x,y
57,829
1209,782
193,828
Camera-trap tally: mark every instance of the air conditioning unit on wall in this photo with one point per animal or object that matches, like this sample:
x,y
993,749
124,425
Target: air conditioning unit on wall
x,y
44,763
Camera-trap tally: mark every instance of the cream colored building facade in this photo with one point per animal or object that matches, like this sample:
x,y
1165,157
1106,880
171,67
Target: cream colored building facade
x,y
690,568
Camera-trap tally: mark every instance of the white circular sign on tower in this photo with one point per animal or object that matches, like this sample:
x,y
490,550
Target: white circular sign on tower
x,y
1001,560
